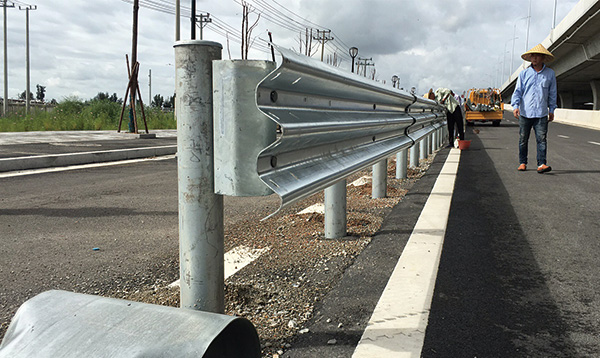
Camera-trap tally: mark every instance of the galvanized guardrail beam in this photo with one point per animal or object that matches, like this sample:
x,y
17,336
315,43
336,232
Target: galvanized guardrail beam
x,y
333,124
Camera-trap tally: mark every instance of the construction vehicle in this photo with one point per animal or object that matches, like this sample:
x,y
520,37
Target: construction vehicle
x,y
484,105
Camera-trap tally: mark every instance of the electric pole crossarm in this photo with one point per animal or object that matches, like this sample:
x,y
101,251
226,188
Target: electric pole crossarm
x,y
323,38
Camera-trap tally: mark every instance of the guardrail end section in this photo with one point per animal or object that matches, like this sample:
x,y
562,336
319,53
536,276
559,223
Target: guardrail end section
x,y
65,324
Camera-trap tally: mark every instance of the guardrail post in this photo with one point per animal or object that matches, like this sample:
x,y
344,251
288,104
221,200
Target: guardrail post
x,y
200,209
423,148
379,188
401,164
428,144
414,156
335,210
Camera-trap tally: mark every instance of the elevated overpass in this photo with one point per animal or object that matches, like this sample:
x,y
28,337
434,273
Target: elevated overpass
x,y
575,43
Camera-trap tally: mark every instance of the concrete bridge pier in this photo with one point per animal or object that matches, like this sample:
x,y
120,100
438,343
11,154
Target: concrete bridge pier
x,y
595,84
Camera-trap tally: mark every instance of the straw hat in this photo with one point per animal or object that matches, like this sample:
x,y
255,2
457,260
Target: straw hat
x,y
539,49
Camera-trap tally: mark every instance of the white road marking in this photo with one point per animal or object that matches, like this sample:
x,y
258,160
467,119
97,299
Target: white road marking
x,y
361,181
563,136
315,208
397,326
235,260
81,166
596,143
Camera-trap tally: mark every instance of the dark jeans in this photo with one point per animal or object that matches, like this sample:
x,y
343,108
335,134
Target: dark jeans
x,y
455,118
540,127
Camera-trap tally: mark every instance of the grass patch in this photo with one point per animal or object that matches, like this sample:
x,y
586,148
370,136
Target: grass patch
x,y
74,114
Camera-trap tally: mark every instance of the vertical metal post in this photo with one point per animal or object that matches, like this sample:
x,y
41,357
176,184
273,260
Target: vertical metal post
x,y
423,148
434,141
401,164
193,20
5,103
200,209
150,87
177,20
379,188
414,156
427,145
335,210
27,66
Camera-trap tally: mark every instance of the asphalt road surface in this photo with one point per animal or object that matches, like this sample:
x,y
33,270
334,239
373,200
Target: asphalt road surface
x,y
51,223
518,277
519,273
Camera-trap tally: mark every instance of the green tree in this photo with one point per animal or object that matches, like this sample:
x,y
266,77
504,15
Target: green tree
x,y
158,101
41,93
115,98
101,96
23,95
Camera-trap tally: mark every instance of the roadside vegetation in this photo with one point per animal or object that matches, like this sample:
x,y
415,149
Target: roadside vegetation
x,y
100,113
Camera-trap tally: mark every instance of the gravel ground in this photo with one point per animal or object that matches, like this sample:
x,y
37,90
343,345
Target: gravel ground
x,y
278,292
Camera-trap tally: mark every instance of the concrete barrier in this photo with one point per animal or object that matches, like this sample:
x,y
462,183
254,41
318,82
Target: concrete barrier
x,y
574,117
577,117
61,160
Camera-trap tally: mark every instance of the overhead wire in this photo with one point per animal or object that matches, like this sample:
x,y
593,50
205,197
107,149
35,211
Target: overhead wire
x,y
275,13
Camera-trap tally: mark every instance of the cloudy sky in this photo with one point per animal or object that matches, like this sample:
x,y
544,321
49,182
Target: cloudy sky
x,y
78,47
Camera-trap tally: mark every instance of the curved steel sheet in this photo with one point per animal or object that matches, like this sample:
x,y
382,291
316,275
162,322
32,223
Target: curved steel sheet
x,y
333,124
65,324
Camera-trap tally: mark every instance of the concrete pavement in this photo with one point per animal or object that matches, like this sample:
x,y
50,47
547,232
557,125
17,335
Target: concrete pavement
x,y
34,150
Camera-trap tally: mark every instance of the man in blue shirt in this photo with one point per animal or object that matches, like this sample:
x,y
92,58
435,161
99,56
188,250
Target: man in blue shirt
x,y
534,102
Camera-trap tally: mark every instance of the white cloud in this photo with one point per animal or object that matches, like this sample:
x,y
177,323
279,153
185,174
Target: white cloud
x,y
79,47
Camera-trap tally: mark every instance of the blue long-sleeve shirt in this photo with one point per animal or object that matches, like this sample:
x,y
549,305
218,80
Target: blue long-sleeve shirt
x,y
535,92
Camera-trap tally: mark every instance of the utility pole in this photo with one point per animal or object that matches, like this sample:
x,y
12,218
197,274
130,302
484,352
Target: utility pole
x,y
365,62
149,87
528,23
323,38
177,20
193,20
27,94
203,19
4,4
134,84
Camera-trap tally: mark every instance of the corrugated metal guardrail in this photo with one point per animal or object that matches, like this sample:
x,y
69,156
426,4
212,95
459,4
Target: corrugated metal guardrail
x,y
333,124
65,324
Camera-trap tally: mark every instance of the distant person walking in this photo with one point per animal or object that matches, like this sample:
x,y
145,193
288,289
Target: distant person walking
x,y
453,113
534,102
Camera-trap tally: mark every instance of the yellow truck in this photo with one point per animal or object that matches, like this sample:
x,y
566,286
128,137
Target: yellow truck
x,y
484,105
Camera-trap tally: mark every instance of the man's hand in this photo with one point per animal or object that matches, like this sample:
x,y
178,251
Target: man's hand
x,y
516,113
550,117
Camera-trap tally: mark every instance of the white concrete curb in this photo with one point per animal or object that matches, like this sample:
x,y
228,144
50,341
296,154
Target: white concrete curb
x,y
66,159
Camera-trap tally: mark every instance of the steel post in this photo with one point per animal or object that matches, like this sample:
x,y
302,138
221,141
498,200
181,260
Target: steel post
x,y
414,156
401,164
200,210
379,188
428,144
423,148
335,210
